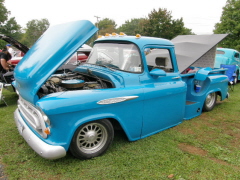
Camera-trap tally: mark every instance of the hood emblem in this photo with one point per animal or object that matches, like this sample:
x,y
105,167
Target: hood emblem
x,y
116,100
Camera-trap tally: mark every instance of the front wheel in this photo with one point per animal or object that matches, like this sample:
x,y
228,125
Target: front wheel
x,y
92,139
210,101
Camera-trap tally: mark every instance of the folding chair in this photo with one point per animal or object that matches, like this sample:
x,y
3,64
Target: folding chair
x,y
230,73
1,96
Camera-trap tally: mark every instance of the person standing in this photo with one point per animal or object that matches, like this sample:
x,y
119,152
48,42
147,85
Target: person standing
x,y
10,50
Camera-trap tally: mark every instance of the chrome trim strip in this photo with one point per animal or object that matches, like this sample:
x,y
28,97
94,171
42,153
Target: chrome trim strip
x,y
43,149
116,100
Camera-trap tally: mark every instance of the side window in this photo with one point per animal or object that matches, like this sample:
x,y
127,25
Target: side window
x,y
220,52
158,58
236,55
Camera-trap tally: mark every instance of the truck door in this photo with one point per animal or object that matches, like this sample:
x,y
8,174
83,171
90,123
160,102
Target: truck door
x,y
165,95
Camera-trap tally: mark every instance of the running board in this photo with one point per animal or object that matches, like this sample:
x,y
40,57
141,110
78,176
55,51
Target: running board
x,y
192,109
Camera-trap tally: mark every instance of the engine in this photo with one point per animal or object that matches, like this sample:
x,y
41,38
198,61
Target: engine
x,y
72,81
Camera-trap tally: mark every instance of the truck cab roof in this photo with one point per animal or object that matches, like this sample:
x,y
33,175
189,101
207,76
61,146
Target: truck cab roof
x,y
140,41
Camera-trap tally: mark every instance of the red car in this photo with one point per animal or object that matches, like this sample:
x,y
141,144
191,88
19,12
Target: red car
x,y
82,53
17,58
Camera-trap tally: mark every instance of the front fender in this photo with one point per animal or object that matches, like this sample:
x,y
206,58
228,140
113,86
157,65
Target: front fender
x,y
63,129
132,135
68,111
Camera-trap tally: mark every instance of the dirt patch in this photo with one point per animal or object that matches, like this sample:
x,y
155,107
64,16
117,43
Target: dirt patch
x,y
224,163
220,161
198,151
235,142
192,150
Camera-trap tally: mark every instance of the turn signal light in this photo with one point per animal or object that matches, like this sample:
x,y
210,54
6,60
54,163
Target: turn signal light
x,y
47,131
138,35
122,34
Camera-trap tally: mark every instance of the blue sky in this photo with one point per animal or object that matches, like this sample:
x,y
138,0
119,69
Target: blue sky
x,y
198,15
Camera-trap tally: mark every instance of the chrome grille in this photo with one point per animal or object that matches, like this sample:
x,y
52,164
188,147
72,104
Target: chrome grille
x,y
32,116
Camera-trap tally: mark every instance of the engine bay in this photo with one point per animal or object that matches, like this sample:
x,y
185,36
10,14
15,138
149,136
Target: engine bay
x,y
72,81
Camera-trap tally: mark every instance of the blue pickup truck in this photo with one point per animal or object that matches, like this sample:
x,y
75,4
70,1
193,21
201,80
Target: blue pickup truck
x,y
129,82
229,57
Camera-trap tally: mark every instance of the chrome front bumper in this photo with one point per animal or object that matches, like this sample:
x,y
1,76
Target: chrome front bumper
x,y
43,149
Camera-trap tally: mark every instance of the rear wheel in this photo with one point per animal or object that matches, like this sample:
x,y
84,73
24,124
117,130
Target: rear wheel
x,y
236,78
92,139
210,101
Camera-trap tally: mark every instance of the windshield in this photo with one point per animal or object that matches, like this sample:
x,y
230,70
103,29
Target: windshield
x,y
123,57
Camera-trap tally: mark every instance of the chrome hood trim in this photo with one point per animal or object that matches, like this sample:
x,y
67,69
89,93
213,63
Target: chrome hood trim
x,y
116,100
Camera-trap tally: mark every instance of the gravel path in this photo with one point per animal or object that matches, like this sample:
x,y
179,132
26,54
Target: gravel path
x,y
2,177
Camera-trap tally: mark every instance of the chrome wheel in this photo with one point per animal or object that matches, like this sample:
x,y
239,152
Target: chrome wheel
x,y
236,79
210,102
91,138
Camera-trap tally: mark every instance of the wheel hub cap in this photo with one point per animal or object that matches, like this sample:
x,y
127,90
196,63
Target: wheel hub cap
x,y
90,136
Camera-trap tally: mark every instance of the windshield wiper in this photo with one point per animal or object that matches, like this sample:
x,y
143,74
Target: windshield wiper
x,y
106,67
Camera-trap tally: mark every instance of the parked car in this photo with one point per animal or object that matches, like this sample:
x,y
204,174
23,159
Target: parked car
x,y
228,56
82,53
118,87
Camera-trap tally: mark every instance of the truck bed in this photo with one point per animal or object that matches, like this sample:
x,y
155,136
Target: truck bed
x,y
198,84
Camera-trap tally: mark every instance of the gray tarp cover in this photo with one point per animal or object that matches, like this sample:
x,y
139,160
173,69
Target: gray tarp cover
x,y
197,50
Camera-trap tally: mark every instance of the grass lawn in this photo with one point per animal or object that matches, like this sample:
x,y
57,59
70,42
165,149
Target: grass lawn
x,y
206,147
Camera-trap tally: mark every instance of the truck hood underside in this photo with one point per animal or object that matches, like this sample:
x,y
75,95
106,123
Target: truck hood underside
x,y
50,51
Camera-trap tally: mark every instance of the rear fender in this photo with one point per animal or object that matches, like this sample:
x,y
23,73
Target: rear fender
x,y
202,74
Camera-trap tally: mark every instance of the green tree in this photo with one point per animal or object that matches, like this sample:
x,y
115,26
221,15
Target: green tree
x,y
8,26
11,28
160,24
35,28
132,27
230,24
106,26
3,13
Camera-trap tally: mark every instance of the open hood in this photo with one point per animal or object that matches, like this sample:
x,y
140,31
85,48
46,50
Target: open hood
x,y
49,52
14,43
196,50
